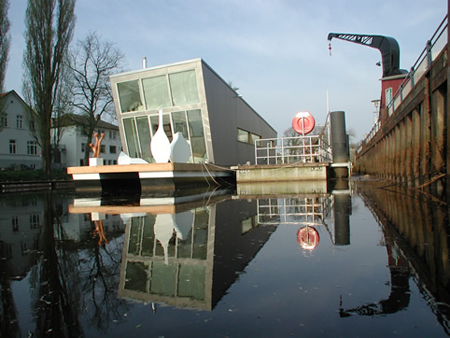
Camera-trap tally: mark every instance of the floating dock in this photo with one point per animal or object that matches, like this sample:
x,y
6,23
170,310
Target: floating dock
x,y
282,172
152,175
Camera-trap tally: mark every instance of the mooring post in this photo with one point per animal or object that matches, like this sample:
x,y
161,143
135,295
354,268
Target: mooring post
x,y
339,144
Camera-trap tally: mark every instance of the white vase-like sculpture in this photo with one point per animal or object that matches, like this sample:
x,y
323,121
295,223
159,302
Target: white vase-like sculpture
x,y
180,149
160,144
163,230
183,223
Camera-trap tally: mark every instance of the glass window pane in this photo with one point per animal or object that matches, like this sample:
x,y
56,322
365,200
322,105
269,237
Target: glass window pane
x,y
166,122
156,92
129,97
144,138
192,281
180,124
254,137
184,88
131,137
197,136
136,276
163,279
242,136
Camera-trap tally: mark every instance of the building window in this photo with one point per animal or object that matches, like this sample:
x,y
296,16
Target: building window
x,y
243,136
183,86
15,223
34,221
83,145
247,137
19,121
32,148
129,97
102,148
3,120
112,149
12,146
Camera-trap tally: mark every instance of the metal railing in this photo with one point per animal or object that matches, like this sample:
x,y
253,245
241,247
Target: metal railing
x,y
286,150
307,210
430,53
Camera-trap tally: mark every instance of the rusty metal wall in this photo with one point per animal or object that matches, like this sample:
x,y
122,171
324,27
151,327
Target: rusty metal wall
x,y
411,147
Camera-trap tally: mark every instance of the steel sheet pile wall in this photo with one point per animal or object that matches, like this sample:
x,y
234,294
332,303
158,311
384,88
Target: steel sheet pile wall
x,y
411,147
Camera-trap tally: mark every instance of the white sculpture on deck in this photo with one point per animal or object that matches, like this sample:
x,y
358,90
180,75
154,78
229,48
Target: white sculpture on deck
x,y
180,149
162,150
160,144
125,159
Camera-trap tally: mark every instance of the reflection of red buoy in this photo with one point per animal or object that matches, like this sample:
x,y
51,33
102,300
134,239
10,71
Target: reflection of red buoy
x,y
303,122
308,238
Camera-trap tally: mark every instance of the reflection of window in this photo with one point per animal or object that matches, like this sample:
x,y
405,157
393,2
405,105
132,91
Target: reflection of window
x,y
15,223
32,148
19,121
3,120
184,88
34,221
248,224
129,97
136,276
12,146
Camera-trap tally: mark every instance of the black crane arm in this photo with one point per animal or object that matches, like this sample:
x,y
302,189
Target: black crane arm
x,y
387,45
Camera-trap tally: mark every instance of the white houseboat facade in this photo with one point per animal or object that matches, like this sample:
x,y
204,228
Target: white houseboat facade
x,y
218,124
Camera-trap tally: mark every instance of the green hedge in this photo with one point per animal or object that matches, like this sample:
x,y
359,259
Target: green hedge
x,y
33,175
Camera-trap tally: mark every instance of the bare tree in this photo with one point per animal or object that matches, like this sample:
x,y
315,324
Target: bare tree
x,y
49,30
92,62
5,42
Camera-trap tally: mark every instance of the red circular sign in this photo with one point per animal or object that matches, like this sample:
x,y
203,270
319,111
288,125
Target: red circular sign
x,y
303,122
308,238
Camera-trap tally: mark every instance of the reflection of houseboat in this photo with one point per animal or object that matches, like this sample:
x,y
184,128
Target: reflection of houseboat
x,y
196,104
184,251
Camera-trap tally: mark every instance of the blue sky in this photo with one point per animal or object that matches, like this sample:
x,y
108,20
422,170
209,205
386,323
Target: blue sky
x,y
275,51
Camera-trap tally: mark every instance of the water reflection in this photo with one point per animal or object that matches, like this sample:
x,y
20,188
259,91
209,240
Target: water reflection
x,y
77,261
417,234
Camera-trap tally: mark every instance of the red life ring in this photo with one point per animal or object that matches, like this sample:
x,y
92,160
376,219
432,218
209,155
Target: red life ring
x,y
303,122
308,238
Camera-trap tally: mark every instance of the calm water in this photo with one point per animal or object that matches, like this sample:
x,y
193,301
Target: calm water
x,y
364,260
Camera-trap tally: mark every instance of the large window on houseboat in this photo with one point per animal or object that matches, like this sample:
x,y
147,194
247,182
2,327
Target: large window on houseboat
x,y
129,127
139,130
180,123
197,136
144,138
129,97
156,92
184,88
